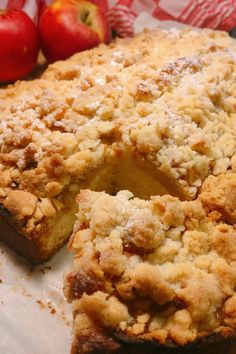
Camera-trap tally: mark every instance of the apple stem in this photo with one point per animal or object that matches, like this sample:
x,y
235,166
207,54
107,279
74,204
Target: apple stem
x,y
84,16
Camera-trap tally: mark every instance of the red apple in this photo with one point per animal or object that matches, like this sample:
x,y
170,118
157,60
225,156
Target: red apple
x,y
70,26
19,45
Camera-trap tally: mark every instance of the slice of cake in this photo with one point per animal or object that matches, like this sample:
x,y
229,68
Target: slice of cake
x,y
154,114
155,276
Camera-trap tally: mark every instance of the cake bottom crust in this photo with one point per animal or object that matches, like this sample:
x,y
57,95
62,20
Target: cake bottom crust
x,y
98,343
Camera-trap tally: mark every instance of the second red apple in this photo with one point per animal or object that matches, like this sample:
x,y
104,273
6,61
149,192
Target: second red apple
x,y
70,26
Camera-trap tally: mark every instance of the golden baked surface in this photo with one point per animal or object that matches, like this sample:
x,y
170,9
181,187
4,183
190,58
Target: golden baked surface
x,y
163,100
159,270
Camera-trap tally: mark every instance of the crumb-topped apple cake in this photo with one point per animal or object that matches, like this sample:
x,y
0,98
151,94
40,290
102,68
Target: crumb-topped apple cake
x,y
154,114
155,274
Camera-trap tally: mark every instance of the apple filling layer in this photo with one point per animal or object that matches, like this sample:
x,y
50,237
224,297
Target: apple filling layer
x,y
140,178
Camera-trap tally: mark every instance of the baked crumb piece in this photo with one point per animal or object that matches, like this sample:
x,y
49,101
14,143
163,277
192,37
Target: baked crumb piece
x,y
219,196
159,270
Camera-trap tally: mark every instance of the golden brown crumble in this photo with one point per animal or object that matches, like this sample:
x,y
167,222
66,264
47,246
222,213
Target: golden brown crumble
x,y
166,97
158,270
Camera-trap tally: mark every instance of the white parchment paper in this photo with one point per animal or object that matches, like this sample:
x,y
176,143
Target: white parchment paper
x,y
34,316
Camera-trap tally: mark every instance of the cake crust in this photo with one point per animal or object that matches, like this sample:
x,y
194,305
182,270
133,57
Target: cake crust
x,y
213,344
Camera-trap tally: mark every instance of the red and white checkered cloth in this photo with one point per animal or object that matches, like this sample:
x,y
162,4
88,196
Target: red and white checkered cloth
x,y
121,14
31,7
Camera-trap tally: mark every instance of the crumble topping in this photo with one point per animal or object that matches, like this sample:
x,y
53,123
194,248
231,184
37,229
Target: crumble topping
x,y
168,98
159,270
